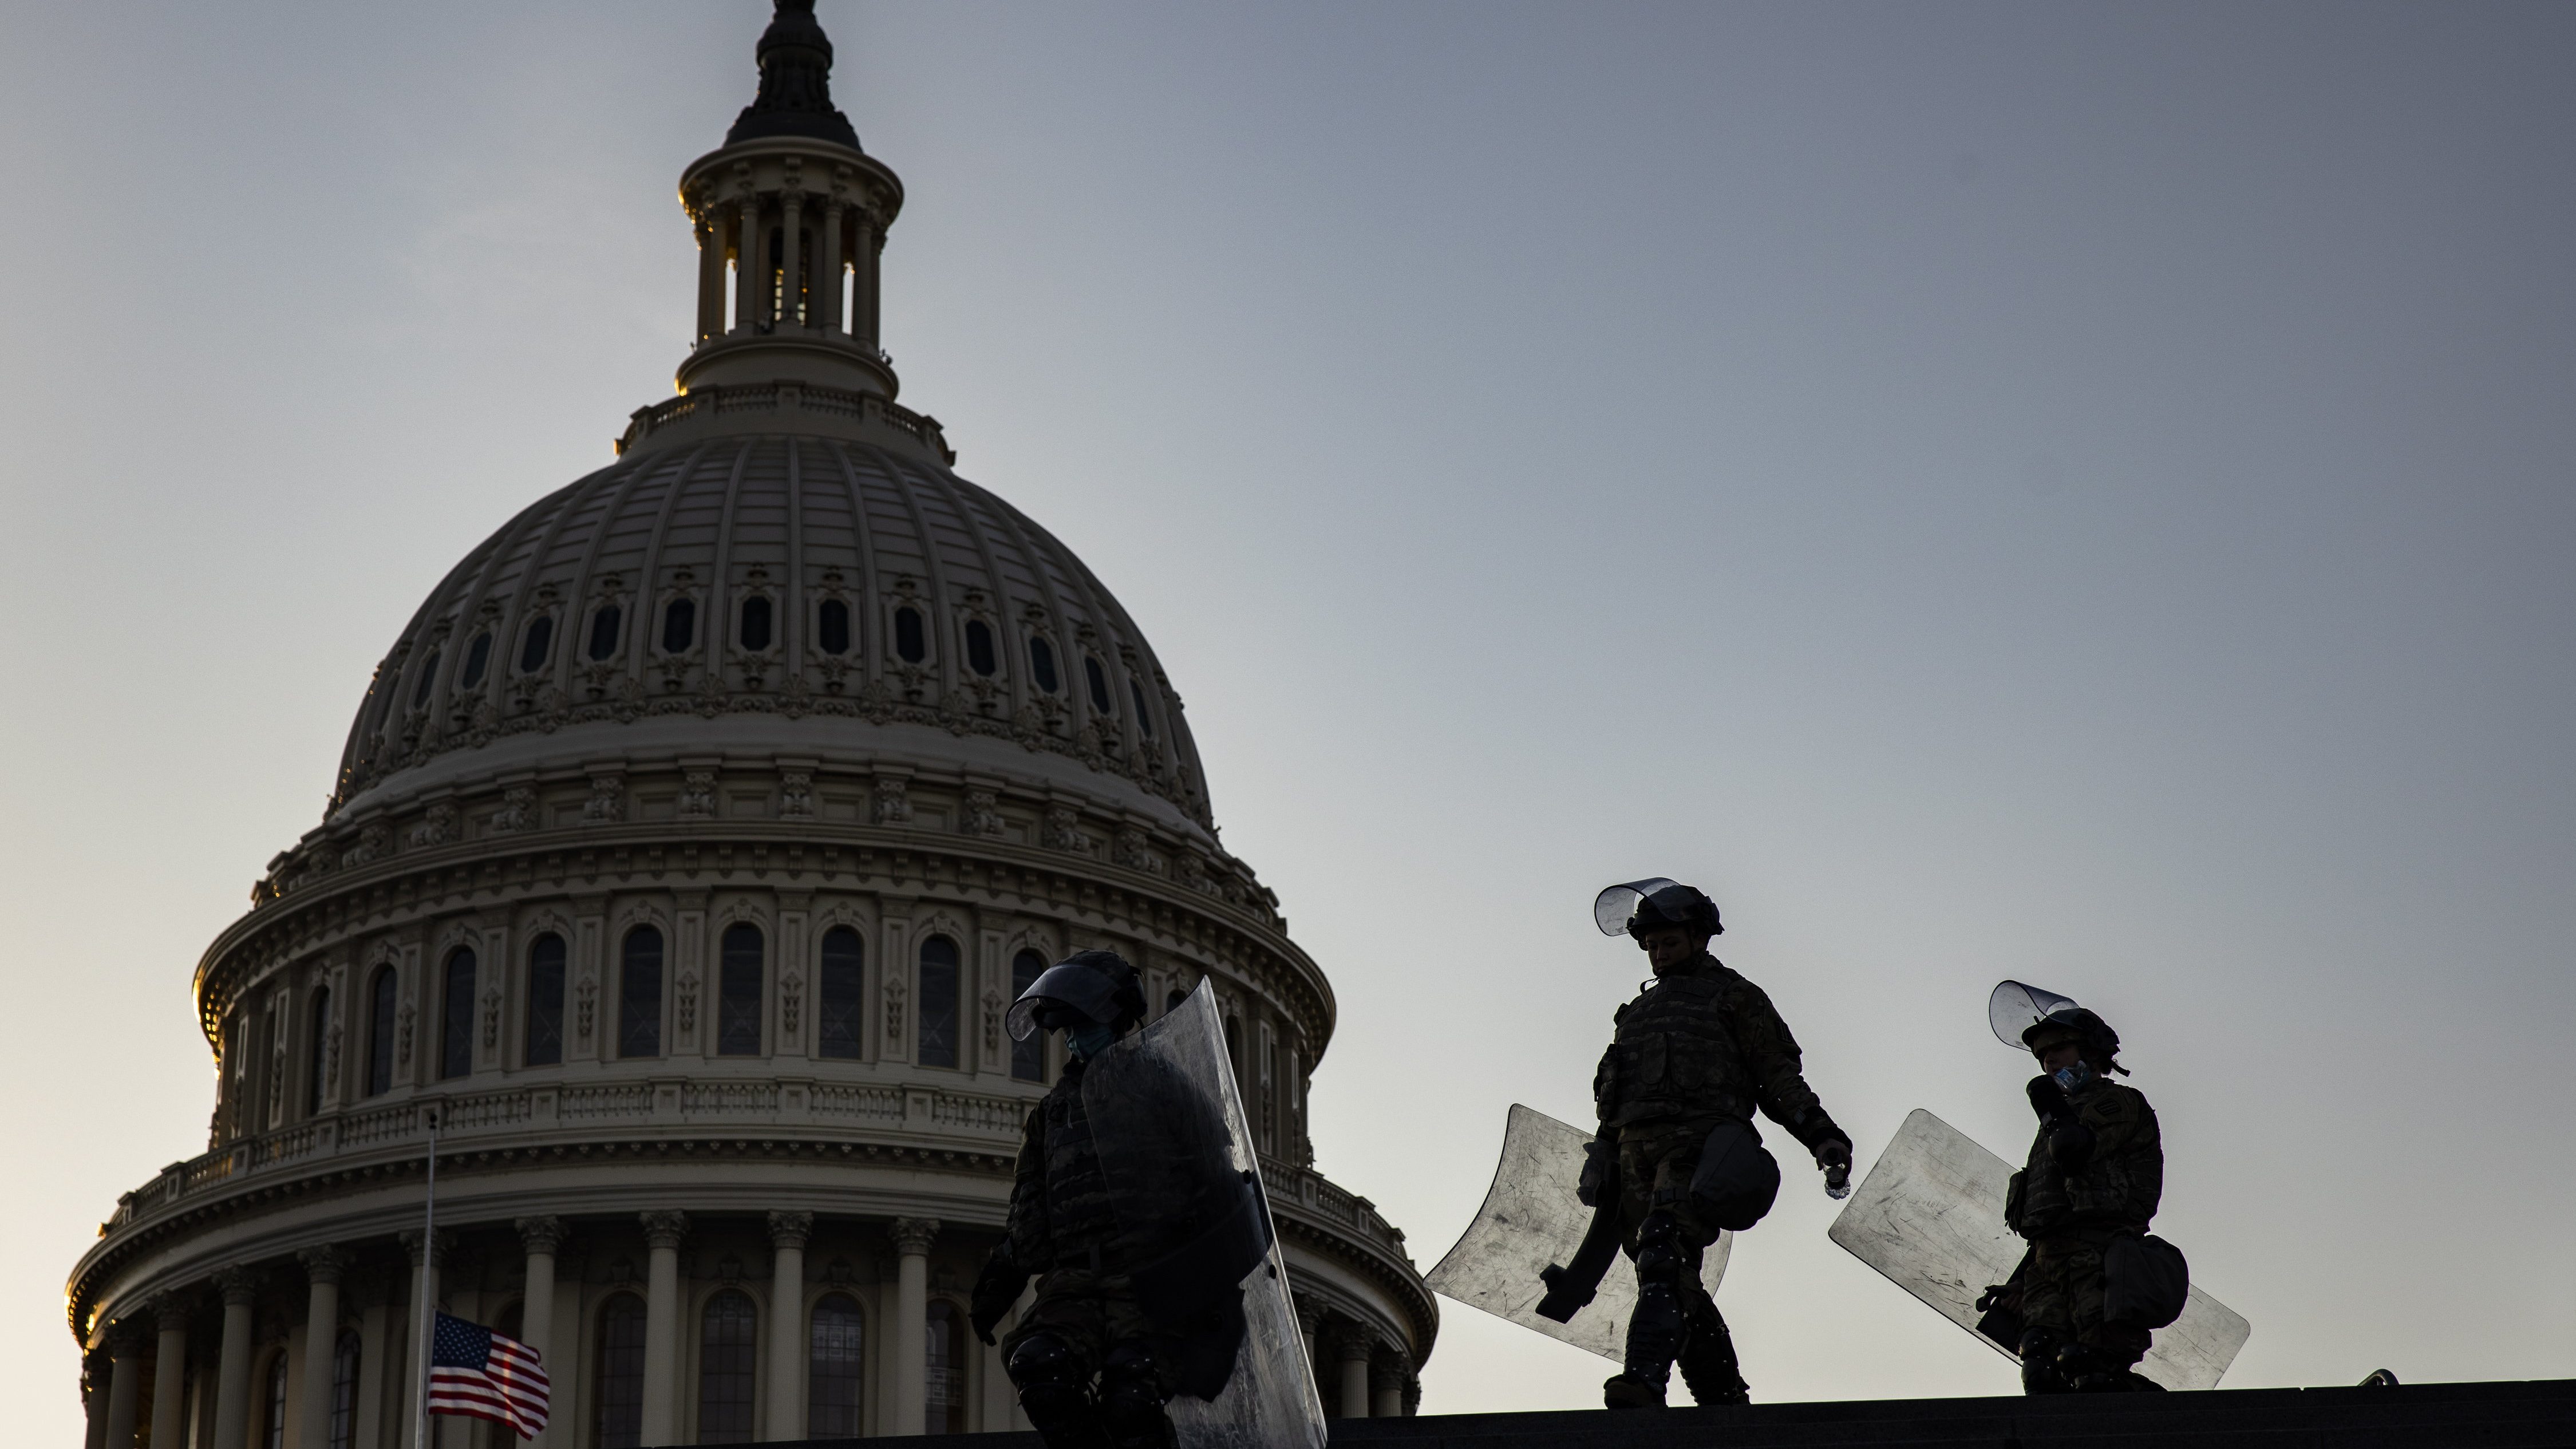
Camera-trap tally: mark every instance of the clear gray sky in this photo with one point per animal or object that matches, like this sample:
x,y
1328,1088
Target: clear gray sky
x,y
2070,492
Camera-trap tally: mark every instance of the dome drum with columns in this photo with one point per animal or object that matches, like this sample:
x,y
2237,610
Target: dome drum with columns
x,y
686,850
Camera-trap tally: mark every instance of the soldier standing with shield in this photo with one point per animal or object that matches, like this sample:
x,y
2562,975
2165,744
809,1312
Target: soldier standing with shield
x,y
1677,1157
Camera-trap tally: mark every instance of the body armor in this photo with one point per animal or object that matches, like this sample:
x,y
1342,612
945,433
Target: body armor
x,y
2120,1181
1701,1043
1061,1213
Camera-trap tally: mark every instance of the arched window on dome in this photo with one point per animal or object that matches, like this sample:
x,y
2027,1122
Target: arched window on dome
x,y
478,657
545,1000
537,644
679,625
728,1344
911,641
382,1003
639,994
832,627
341,1432
943,1388
603,632
755,628
456,1017
738,992
427,677
317,1052
1042,664
837,998
936,1035
1098,679
1144,716
618,1417
835,1364
979,648
1028,1058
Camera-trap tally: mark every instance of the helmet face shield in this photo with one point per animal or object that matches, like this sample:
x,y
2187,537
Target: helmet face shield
x,y
1612,908
1069,988
2015,1008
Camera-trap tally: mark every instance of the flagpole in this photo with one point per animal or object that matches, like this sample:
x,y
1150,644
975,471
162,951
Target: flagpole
x,y
428,1280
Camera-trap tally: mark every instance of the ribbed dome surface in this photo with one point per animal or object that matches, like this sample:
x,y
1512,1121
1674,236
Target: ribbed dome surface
x,y
857,591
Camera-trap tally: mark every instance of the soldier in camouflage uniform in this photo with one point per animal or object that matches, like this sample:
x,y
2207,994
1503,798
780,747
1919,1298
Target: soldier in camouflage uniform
x,y
1699,1046
2095,1173
1091,1370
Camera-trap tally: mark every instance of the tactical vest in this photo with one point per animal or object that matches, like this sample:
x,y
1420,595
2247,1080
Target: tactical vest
x,y
2117,1187
1673,1055
1080,1224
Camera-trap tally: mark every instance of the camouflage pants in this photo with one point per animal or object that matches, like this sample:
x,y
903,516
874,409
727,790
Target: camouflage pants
x,y
1655,1166
1090,1314
2063,1288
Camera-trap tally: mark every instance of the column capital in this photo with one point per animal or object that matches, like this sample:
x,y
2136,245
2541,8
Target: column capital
x,y
541,1235
790,1230
169,1310
239,1285
125,1337
912,1235
664,1227
1355,1344
323,1264
412,1245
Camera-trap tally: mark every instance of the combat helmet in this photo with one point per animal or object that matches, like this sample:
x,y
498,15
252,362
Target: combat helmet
x,y
1640,906
1087,986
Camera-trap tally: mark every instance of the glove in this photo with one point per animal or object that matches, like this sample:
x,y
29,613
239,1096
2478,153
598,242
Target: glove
x,y
1834,1155
2049,1100
1600,1160
996,1289
2071,1145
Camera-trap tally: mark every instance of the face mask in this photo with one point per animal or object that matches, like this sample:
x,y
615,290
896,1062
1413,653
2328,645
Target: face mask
x,y
1089,1039
2070,1078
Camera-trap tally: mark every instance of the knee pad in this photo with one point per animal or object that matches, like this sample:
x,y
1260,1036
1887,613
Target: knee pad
x,y
1660,1251
2039,1356
1043,1359
1054,1393
1131,1400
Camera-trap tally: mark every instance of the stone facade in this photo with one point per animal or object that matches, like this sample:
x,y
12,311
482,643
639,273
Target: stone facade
x,y
693,930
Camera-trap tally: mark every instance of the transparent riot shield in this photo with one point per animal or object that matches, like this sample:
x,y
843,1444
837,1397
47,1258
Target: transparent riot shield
x,y
1531,1219
1930,1216
1195,1230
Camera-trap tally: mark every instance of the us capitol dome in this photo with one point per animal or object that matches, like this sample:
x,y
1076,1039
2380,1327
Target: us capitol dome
x,y
688,845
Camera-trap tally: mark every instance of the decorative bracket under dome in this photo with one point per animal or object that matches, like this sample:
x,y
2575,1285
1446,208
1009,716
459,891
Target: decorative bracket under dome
x,y
790,219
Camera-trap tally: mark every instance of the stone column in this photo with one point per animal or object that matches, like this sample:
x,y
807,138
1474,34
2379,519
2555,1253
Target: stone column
x,y
95,1373
232,1374
1354,1351
863,280
322,1269
124,1384
540,1236
911,1303
711,271
827,261
378,1337
170,1371
746,270
787,1234
663,1230
1386,1386
791,280
1309,1319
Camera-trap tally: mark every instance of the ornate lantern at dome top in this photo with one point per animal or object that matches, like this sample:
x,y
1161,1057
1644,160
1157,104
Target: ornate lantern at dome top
x,y
790,216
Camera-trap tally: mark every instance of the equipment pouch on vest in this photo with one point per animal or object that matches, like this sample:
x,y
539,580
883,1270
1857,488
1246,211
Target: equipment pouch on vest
x,y
2144,1281
1737,1179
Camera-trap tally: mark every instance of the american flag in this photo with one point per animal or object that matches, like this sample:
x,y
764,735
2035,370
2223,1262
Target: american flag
x,y
482,1375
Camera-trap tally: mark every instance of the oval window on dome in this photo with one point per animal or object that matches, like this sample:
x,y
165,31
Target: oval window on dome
x,y
832,627
1144,716
428,677
979,648
1098,679
1042,664
478,657
679,625
755,623
539,643
910,644
603,632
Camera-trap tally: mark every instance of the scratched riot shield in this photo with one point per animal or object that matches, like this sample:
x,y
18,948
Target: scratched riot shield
x,y
1930,1216
1532,1220
1195,1228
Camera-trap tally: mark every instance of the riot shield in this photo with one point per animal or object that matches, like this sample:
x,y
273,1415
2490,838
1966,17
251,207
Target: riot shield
x,y
1532,1219
1930,1216
1195,1231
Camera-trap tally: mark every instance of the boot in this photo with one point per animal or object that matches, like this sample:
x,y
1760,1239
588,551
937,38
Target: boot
x,y
1708,1361
1627,1391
